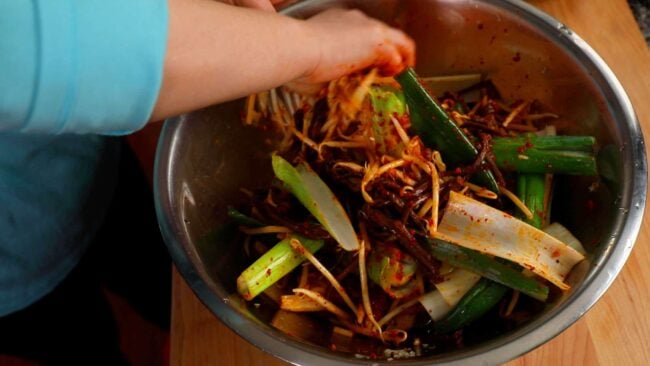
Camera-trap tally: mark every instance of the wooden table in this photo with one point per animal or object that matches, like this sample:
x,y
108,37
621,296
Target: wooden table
x,y
615,332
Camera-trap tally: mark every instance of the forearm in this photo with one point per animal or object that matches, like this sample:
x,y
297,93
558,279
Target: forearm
x,y
69,66
217,52
98,66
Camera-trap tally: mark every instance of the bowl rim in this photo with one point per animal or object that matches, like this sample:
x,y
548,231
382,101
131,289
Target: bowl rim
x,y
500,350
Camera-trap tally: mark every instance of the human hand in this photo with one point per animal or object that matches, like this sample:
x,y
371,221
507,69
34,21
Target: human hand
x,y
232,52
348,41
267,5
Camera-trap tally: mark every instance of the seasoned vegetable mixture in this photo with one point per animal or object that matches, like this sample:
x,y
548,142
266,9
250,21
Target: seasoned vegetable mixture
x,y
407,216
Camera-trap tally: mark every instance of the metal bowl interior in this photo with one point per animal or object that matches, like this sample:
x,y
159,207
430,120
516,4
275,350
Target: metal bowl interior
x,y
205,157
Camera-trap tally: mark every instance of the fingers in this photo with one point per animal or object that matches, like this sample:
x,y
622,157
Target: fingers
x,y
404,45
282,2
265,5
268,5
358,41
395,52
398,47
385,57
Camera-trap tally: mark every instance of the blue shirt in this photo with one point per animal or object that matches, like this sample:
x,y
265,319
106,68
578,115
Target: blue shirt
x,y
71,73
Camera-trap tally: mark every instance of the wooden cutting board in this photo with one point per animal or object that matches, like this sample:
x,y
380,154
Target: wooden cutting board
x,y
615,332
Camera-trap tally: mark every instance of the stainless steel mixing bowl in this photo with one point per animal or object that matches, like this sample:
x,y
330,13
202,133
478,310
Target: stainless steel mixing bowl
x,y
206,156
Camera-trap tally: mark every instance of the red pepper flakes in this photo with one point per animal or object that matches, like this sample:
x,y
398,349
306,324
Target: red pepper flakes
x,y
405,121
399,275
522,149
590,205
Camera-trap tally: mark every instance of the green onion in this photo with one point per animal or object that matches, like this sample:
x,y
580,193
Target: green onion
x,y
435,305
243,219
316,196
456,284
478,301
393,270
532,141
531,189
438,85
438,130
475,225
487,267
563,234
276,263
546,154
486,294
387,103
448,293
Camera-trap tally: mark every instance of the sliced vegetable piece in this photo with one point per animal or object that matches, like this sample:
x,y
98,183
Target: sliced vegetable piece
x,y
276,263
243,219
435,305
531,189
299,304
387,103
448,293
456,284
438,85
546,154
474,225
563,234
546,142
314,194
482,297
392,270
488,267
534,189
478,301
439,131
534,192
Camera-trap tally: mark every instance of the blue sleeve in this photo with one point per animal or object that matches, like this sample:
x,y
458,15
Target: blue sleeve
x,y
81,66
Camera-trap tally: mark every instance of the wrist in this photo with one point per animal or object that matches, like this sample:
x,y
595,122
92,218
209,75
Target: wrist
x,y
313,50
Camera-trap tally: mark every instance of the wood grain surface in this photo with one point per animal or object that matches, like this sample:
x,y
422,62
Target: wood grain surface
x,y
617,329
